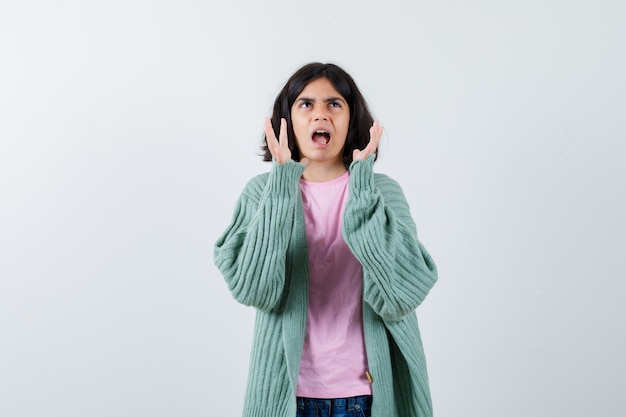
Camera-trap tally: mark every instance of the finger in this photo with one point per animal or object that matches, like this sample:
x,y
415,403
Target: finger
x,y
304,162
283,139
376,131
269,134
272,143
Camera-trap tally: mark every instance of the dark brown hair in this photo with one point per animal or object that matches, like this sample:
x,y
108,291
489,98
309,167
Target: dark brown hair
x,y
360,118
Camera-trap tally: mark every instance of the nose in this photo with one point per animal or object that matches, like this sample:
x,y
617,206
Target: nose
x,y
320,113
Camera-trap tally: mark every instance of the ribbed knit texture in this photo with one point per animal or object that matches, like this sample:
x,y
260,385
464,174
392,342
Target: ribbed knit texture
x,y
263,258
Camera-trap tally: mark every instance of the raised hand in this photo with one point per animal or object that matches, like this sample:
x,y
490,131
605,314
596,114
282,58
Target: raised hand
x,y
279,148
376,131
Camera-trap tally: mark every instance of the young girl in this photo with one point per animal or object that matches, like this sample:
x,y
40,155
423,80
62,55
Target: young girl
x,y
327,252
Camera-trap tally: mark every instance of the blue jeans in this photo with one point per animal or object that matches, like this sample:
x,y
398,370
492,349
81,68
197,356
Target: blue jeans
x,y
338,407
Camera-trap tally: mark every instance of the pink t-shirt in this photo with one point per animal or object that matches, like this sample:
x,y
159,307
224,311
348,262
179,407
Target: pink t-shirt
x,y
333,362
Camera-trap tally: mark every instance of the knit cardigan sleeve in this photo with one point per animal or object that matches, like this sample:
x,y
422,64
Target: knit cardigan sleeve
x,y
251,252
398,272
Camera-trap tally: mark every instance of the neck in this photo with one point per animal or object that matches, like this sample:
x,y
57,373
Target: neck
x,y
321,172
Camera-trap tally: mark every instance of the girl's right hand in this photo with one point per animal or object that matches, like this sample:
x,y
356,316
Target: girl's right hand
x,y
279,148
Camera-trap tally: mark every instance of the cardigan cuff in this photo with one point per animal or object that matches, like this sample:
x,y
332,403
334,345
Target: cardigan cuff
x,y
283,179
362,173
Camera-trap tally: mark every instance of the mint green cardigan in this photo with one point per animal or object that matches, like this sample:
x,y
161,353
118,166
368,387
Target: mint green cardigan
x,y
263,258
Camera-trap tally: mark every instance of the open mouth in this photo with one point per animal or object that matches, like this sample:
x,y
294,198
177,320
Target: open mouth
x,y
321,137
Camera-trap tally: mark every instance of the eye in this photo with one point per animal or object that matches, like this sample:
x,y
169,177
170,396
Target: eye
x,y
335,104
304,104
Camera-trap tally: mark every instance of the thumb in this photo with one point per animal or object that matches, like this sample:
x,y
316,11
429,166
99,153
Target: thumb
x,y
304,162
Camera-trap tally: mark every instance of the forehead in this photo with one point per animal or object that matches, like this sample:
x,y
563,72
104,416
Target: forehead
x,y
320,88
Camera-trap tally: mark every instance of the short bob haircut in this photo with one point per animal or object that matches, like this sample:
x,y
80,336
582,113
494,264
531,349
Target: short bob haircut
x,y
360,118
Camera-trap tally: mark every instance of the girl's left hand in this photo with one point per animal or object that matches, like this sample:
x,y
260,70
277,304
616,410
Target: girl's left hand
x,y
376,131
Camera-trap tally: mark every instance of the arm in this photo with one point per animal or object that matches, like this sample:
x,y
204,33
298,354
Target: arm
x,y
398,272
251,252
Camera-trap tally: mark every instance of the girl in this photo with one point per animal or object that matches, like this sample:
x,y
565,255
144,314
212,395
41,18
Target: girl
x,y
327,252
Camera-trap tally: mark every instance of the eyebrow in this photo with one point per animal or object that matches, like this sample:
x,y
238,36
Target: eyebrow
x,y
326,100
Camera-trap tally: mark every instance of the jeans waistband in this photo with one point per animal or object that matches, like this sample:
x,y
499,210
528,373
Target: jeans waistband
x,y
343,403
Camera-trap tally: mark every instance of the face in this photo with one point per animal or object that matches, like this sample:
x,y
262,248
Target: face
x,y
320,118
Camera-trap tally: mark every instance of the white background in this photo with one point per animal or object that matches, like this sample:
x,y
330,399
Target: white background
x,y
128,129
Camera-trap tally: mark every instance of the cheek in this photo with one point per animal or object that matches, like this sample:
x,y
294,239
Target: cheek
x,y
346,124
299,132
298,125
298,141
346,127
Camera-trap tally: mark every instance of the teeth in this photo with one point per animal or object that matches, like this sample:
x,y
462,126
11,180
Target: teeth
x,y
321,132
